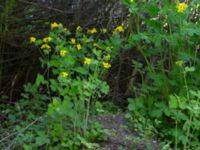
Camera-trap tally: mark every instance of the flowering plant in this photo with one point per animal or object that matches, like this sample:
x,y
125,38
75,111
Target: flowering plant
x,y
75,63
165,32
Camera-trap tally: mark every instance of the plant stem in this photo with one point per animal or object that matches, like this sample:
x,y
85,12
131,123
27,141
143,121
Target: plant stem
x,y
87,115
176,140
191,116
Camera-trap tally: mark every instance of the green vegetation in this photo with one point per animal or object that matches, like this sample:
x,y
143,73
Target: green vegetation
x,y
164,97
167,99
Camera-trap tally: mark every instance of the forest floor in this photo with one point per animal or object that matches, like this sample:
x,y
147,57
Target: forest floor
x,y
121,137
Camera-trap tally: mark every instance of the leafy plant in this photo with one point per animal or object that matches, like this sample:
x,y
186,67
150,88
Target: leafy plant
x,y
166,32
75,63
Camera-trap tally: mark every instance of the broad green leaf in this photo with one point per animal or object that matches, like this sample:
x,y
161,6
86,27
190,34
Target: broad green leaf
x,y
173,102
81,70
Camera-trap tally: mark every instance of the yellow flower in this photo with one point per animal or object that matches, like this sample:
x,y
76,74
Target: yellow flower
x,y
45,46
87,61
78,28
118,29
106,65
181,7
64,74
32,39
92,31
63,53
104,30
47,39
65,29
78,46
60,25
107,56
72,40
56,25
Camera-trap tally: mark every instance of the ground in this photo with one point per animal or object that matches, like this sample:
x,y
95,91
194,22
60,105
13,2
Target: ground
x,y
121,137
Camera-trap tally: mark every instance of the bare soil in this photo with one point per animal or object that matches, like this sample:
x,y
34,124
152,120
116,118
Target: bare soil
x,y
121,137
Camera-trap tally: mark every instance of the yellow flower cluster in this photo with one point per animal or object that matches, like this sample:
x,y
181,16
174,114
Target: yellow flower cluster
x,y
45,46
106,65
92,31
181,7
78,46
63,53
32,39
87,61
56,25
118,29
64,74
47,39
72,40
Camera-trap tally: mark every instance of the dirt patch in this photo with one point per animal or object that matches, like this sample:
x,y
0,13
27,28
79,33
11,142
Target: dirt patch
x,y
120,136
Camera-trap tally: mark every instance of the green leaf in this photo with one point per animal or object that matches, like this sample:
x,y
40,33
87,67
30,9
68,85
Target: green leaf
x,y
54,63
180,115
81,70
173,102
189,69
42,139
104,88
66,108
195,93
39,80
156,113
27,147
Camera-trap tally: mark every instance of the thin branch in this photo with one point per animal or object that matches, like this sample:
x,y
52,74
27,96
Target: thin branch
x,y
17,133
46,7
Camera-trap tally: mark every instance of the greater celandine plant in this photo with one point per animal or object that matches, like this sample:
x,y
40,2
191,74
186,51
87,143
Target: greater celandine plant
x,y
185,112
75,64
164,32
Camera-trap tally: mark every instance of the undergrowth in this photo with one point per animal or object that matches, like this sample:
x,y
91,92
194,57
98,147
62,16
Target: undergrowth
x,y
54,112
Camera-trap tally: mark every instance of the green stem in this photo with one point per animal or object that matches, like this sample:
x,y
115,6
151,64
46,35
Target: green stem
x,y
88,101
176,140
87,115
146,60
191,115
188,132
139,47
186,85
